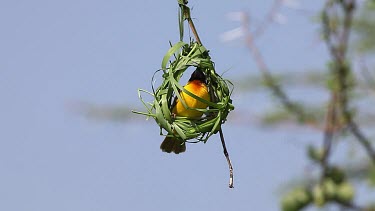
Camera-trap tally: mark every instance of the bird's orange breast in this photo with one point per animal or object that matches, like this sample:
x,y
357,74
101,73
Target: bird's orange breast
x,y
199,89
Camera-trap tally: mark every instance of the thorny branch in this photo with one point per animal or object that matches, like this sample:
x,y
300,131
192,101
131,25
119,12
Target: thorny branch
x,y
337,39
337,42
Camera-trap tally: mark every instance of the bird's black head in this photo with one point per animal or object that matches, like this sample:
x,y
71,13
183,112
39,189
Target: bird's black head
x,y
198,75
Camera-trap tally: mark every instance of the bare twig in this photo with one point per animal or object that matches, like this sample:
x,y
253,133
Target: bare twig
x,y
186,13
228,159
191,24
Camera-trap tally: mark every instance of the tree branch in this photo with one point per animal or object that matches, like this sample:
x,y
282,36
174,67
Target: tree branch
x,y
329,130
355,130
276,89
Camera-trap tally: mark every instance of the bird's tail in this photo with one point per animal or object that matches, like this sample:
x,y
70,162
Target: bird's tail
x,y
171,144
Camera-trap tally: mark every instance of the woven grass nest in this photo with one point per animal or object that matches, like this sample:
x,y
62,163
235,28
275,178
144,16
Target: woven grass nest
x,y
185,56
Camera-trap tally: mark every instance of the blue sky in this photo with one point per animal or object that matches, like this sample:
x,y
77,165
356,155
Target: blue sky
x,y
54,54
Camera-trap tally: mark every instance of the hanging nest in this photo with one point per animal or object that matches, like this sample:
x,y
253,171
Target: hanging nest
x,y
188,55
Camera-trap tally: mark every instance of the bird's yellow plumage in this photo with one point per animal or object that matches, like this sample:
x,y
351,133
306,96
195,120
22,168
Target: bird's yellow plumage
x,y
199,89
197,86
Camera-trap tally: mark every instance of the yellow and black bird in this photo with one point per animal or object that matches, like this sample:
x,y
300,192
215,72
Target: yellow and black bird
x,y
196,85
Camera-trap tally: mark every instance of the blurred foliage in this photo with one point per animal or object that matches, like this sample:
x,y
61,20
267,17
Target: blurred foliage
x,y
364,27
119,113
314,78
277,116
319,195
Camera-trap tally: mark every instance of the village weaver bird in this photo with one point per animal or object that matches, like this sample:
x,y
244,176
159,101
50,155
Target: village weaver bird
x,y
197,86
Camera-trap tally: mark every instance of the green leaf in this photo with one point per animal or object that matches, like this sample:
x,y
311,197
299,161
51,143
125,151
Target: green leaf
x,y
345,192
296,200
